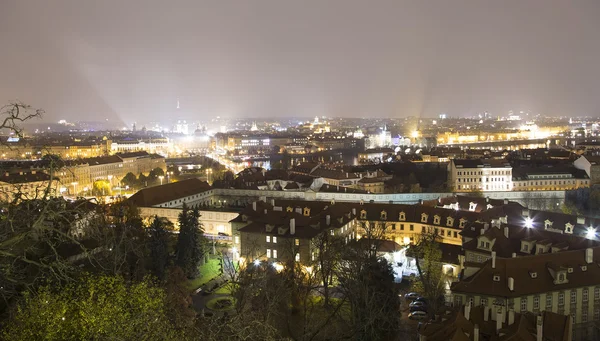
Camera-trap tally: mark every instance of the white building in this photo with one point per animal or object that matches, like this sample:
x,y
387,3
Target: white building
x,y
480,175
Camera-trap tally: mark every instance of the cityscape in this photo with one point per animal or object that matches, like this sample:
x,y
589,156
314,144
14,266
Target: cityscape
x,y
277,171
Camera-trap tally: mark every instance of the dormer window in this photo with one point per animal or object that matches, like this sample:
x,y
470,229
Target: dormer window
x,y
424,218
363,214
289,209
525,247
533,274
472,206
306,212
402,216
436,219
462,223
584,268
484,245
562,277
496,278
568,228
570,270
449,221
489,207
383,215
504,220
547,224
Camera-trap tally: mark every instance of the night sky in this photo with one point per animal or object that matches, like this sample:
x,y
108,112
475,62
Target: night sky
x,y
131,59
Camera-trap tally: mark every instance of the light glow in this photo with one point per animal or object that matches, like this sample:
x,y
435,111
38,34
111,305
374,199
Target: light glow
x,y
528,222
591,233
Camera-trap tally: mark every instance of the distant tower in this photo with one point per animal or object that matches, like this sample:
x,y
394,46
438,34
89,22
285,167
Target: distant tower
x,y
177,103
254,127
134,127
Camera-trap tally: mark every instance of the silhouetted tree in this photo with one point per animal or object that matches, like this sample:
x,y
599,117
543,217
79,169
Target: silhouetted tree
x,y
159,247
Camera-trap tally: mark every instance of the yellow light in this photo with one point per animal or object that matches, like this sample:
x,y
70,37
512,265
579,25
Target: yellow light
x,y
308,269
278,266
415,134
406,240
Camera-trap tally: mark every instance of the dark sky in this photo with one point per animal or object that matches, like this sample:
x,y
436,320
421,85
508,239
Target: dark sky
x,y
132,59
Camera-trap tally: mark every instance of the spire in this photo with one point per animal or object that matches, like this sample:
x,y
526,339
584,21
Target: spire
x,y
177,103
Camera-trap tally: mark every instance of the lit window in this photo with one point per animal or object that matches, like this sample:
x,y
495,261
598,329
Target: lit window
x,y
297,242
268,239
237,239
297,257
268,253
573,296
275,240
523,304
275,254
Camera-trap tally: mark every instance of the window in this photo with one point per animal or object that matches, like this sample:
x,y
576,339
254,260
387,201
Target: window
x,y
401,227
484,302
363,214
412,227
393,226
584,316
275,254
332,233
457,300
268,253
423,218
436,219
297,242
561,277
573,296
236,239
561,298
402,216
298,257
274,239
596,314
548,301
523,304
496,278
597,293
585,294
268,239
536,303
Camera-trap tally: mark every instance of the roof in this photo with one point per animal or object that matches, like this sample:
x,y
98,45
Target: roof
x,y
306,226
24,177
480,163
133,154
455,326
520,269
156,195
102,160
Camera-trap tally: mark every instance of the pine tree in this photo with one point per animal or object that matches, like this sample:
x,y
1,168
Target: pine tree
x,y
159,247
189,242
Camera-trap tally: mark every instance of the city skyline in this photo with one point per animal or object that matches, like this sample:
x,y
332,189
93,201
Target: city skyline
x,y
133,61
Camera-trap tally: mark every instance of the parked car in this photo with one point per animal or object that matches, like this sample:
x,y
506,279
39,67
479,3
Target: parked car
x,y
418,308
421,299
417,315
417,304
411,296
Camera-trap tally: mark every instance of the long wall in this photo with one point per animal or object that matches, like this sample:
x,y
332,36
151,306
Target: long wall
x,y
535,200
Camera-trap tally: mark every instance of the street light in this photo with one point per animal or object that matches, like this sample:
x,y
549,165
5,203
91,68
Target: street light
x,y
161,179
74,187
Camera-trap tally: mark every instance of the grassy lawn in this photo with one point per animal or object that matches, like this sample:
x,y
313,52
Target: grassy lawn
x,y
208,271
224,289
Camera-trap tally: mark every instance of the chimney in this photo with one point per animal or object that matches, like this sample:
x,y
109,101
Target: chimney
x,y
420,201
511,317
506,231
346,175
493,259
511,284
254,206
328,220
539,328
589,255
514,255
482,231
468,311
476,332
505,201
265,211
486,226
354,211
498,320
272,202
292,226
486,313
